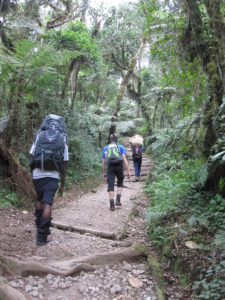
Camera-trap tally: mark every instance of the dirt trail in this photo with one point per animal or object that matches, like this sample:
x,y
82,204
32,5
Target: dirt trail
x,y
92,252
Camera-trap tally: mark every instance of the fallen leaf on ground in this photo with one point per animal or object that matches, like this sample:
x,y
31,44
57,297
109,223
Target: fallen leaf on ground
x,y
135,282
192,245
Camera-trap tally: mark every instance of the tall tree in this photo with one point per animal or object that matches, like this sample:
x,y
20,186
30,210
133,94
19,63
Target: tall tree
x,y
127,75
208,41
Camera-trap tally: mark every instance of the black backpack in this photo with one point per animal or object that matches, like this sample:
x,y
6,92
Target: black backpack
x,y
136,151
49,144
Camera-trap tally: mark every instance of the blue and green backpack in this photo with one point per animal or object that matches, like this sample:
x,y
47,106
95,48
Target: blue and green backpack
x,y
113,154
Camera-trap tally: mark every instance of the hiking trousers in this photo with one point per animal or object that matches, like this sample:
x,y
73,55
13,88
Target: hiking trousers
x,y
115,171
45,189
137,166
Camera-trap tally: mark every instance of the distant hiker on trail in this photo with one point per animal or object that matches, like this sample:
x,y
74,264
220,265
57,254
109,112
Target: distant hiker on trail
x,y
113,158
49,156
137,149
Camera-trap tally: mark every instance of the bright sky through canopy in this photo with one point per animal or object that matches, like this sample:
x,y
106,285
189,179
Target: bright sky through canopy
x,y
108,3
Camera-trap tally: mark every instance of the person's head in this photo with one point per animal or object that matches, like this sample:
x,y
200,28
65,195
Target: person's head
x,y
113,137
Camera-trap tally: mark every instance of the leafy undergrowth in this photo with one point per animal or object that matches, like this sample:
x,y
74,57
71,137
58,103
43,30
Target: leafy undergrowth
x,y
186,226
8,198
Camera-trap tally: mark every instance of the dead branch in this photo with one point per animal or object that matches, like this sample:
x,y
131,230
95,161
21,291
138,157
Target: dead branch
x,y
102,234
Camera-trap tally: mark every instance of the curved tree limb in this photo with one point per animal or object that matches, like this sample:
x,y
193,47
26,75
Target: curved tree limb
x,y
71,266
125,78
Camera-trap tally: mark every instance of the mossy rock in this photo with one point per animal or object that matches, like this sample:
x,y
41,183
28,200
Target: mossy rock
x,y
181,270
157,274
142,248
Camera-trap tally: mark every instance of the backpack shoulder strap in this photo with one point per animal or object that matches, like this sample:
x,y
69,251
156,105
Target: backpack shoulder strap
x,y
118,148
36,138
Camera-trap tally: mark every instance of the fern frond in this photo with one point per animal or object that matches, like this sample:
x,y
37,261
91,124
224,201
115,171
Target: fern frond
x,y
220,239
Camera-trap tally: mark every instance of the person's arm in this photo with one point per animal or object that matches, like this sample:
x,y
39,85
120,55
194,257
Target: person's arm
x,y
63,178
103,168
64,170
104,163
31,156
126,165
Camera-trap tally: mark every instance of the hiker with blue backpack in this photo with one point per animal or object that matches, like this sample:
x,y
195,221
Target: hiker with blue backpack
x,y
49,157
113,159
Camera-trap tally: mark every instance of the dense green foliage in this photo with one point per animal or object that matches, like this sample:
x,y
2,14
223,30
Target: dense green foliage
x,y
178,213
186,126
9,198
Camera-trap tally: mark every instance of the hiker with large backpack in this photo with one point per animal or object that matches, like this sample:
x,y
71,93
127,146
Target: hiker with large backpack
x,y
49,157
137,149
113,158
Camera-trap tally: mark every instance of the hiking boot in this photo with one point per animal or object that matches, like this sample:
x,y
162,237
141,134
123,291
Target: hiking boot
x,y
118,202
41,240
38,214
112,205
49,225
43,231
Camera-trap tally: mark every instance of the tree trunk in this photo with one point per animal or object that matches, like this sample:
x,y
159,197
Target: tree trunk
x,y
138,101
112,128
74,79
123,85
16,176
84,9
126,77
148,120
5,40
211,49
216,171
214,68
73,70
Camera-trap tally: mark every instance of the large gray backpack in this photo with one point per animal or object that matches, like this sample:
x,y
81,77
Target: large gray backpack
x,y
49,144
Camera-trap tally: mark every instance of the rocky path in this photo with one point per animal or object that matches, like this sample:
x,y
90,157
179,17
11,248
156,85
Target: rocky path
x,y
92,254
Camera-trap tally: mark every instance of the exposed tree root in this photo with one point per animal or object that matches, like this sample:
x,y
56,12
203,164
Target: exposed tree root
x,y
32,268
68,267
102,234
9,293
140,180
